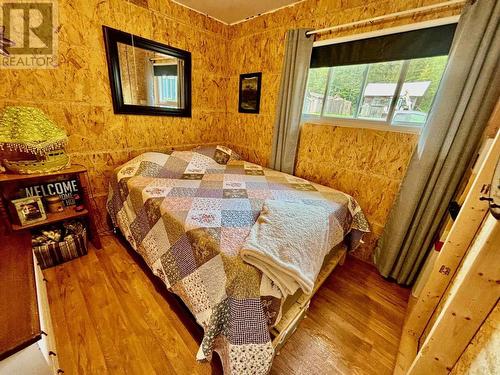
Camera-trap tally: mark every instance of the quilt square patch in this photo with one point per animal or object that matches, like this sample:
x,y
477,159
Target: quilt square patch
x,y
140,226
217,170
236,204
173,168
183,255
173,227
237,219
234,185
232,238
213,275
275,186
153,211
209,193
256,185
303,187
189,184
251,178
182,192
213,176
254,172
291,195
155,192
170,268
206,204
235,169
196,292
176,203
205,243
237,177
259,194
211,184
202,219
248,322
148,169
235,193
156,242
192,176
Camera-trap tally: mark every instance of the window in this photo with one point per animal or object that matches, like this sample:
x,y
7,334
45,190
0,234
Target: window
x,y
397,93
167,89
387,81
166,83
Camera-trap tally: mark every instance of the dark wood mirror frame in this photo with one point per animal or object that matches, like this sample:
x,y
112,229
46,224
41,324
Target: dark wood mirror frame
x,y
111,39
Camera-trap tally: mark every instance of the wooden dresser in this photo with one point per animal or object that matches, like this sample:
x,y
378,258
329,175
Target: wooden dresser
x,y
27,343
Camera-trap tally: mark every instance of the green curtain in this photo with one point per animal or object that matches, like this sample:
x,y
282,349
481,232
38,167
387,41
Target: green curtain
x,y
465,100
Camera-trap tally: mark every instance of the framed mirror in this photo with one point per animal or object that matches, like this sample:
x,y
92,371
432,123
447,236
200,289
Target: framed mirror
x,y
146,77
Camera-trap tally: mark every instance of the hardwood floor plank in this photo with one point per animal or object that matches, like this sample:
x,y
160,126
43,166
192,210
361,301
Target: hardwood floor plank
x,y
88,358
111,316
145,315
62,332
120,346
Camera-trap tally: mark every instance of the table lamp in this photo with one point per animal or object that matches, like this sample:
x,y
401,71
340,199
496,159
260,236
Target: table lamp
x,y
28,130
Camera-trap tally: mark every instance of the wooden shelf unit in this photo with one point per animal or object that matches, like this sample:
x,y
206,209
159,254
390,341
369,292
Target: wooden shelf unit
x,y
10,184
67,214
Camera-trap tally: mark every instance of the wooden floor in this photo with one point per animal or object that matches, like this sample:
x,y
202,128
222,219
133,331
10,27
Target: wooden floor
x,y
111,317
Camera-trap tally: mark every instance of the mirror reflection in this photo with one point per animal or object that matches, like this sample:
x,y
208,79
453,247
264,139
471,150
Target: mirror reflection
x,y
150,78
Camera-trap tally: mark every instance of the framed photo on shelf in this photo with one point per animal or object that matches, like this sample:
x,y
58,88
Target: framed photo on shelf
x,y
249,98
29,210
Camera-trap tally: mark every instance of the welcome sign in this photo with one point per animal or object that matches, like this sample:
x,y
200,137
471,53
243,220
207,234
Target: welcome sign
x,y
65,189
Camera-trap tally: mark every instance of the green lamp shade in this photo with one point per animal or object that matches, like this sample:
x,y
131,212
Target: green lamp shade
x,y
28,129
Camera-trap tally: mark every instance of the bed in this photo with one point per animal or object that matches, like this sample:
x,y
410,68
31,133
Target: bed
x,y
187,214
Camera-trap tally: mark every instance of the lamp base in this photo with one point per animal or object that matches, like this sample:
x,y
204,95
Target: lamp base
x,y
53,161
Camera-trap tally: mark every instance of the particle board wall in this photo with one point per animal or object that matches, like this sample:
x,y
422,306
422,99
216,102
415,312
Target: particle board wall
x,y
368,164
77,96
372,169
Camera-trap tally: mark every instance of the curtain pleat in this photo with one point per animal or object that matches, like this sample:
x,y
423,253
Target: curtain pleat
x,y
468,93
298,51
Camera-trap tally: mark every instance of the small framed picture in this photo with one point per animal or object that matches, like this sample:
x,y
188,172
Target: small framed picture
x,y
29,210
249,99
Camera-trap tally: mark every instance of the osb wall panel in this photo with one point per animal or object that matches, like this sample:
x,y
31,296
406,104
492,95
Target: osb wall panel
x,y
361,170
367,164
482,356
77,96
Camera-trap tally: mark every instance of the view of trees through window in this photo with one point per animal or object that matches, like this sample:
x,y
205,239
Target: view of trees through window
x,y
367,91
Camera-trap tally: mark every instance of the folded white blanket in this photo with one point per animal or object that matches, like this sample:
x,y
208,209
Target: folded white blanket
x,y
288,243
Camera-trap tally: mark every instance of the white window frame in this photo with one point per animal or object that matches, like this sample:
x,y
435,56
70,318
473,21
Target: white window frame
x,y
157,88
375,124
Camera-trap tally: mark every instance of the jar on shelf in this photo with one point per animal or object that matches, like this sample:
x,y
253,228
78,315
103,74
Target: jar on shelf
x,y
54,204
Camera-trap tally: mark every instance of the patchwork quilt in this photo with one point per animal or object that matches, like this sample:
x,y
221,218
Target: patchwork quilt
x,y
187,216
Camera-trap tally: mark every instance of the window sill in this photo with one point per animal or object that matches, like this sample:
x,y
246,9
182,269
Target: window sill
x,y
360,124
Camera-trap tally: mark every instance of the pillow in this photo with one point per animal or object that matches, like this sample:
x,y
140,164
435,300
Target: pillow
x,y
220,154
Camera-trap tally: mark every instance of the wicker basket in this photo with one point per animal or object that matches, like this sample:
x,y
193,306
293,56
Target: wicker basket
x,y
54,161
74,246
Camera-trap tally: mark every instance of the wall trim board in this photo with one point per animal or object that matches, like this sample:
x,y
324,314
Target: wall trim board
x,y
358,124
472,297
459,240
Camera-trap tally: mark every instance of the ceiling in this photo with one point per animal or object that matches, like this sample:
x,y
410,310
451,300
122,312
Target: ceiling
x,y
234,11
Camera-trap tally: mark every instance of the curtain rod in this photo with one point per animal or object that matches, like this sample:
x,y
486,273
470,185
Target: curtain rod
x,y
386,16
